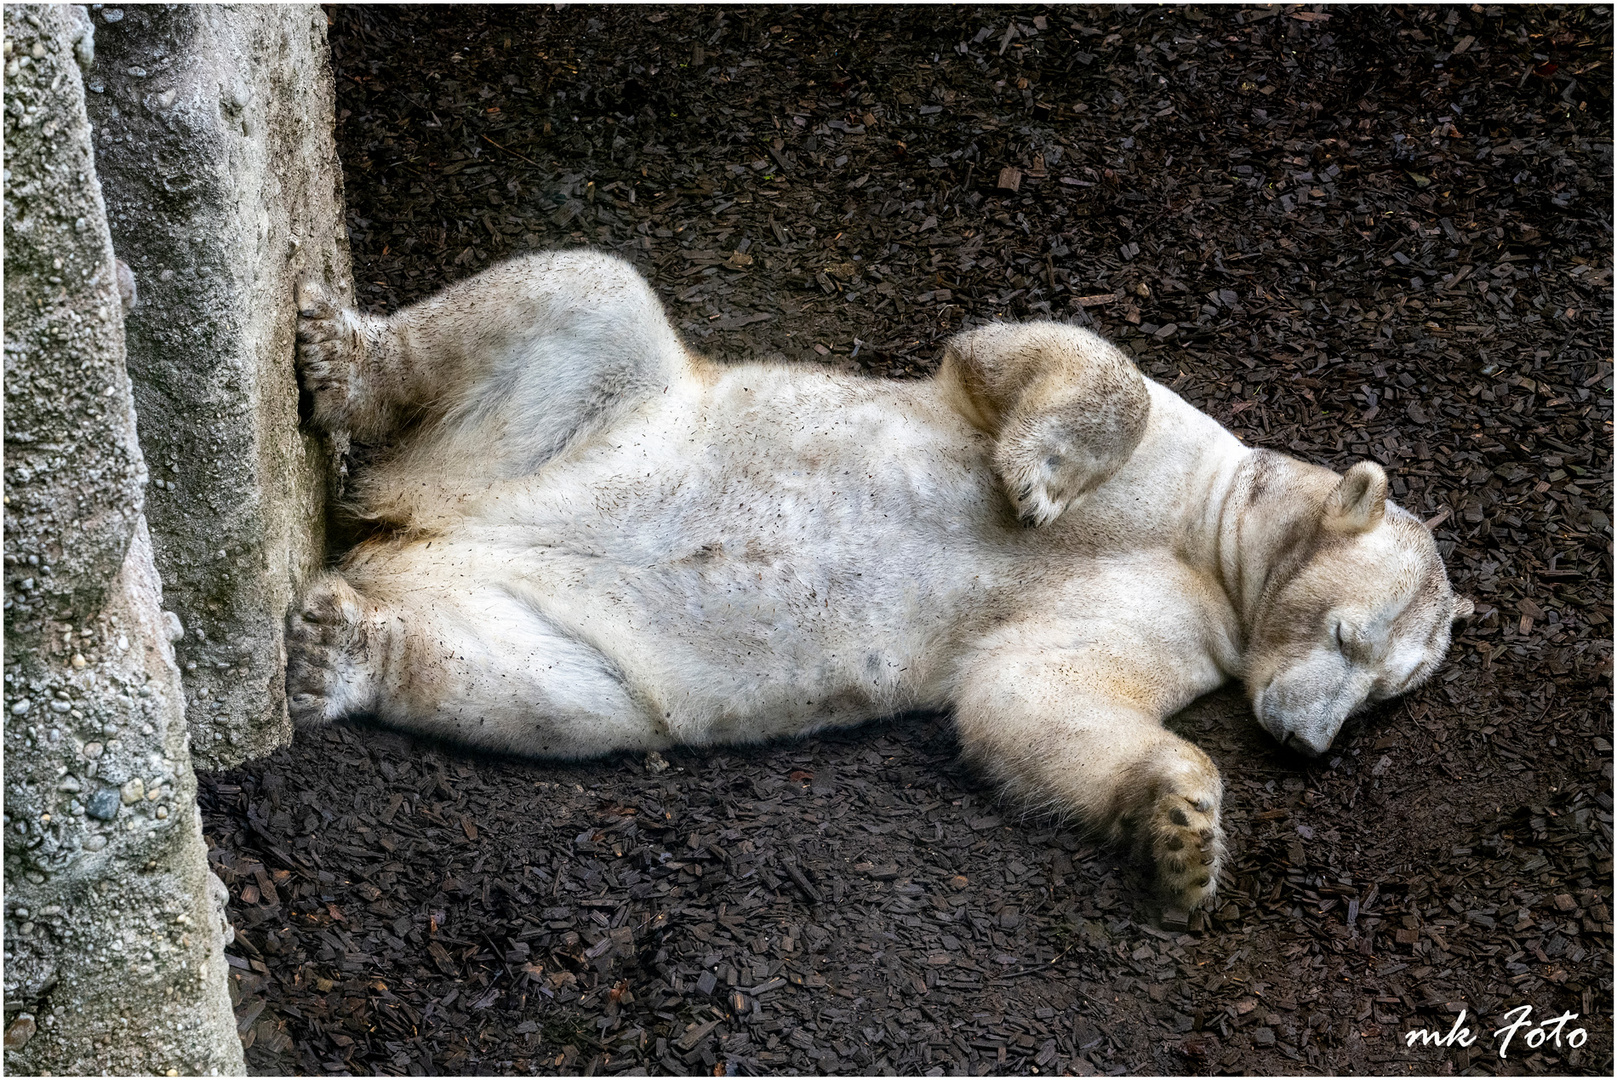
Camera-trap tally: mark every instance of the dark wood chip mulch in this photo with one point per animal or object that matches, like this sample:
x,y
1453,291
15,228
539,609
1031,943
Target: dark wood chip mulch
x,y
1345,232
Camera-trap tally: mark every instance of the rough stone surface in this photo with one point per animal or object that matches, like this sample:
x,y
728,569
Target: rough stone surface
x,y
68,521
213,130
114,930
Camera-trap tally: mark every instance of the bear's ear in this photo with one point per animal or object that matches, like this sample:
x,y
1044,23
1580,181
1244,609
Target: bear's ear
x,y
1463,608
1360,501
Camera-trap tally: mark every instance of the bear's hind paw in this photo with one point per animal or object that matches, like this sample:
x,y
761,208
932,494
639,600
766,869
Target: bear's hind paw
x,y
324,638
327,352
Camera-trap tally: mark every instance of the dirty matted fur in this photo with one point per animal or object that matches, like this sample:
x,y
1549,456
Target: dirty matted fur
x,y
602,541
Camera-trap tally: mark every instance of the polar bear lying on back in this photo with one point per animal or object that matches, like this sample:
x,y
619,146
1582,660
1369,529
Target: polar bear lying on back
x,y
600,541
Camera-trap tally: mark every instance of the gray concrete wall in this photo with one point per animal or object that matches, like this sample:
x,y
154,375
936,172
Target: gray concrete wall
x,y
214,138
114,929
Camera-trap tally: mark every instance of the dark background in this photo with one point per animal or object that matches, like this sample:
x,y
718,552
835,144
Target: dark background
x,y
1343,232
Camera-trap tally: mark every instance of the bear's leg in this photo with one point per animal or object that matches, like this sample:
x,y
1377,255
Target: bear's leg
x,y
480,668
551,340
1066,409
1062,732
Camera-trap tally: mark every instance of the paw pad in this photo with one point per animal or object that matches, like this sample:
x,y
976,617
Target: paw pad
x,y
324,639
327,349
1187,845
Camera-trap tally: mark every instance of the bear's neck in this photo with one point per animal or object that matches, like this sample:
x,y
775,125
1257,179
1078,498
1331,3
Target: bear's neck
x,y
1271,507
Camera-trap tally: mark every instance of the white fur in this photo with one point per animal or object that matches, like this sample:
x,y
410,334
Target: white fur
x,y
680,552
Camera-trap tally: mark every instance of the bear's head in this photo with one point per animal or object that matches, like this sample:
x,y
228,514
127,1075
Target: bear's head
x,y
1356,609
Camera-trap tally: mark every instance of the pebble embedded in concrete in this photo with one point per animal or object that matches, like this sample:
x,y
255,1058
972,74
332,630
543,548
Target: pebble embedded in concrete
x,y
104,805
19,1032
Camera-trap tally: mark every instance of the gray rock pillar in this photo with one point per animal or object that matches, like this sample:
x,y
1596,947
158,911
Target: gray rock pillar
x,y
114,931
214,134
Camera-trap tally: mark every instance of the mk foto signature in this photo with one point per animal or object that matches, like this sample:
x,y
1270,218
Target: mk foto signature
x,y
1549,1031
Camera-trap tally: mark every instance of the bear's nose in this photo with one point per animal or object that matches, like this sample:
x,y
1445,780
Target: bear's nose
x,y
1306,747
1294,741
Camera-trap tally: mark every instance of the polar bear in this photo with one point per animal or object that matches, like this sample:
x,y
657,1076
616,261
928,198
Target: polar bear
x,y
591,539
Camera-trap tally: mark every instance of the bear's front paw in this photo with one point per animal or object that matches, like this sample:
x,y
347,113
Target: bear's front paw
x,y
1043,481
324,653
1187,842
328,352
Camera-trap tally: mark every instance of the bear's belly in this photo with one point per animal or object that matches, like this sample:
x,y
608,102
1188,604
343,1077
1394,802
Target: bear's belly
x,y
762,564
